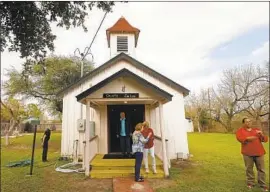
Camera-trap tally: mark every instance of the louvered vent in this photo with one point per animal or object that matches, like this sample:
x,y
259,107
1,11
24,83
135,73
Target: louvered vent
x,y
122,44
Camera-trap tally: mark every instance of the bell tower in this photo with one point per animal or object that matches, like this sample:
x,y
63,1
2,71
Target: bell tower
x,y
122,37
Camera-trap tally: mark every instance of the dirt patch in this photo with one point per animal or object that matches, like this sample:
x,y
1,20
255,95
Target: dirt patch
x,y
71,182
184,163
129,185
19,147
97,185
161,183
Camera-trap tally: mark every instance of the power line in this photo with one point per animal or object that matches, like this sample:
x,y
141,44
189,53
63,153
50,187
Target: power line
x,y
87,49
95,34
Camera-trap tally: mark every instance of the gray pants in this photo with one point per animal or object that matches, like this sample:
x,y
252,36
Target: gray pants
x,y
249,163
125,144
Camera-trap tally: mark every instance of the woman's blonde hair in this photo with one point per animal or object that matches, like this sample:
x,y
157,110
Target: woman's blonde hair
x,y
138,127
145,124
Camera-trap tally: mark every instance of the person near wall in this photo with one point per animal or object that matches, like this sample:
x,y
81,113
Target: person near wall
x,y
149,148
137,148
253,152
124,133
45,143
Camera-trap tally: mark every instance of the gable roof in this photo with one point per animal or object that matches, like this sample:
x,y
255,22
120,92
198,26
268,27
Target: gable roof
x,y
122,26
125,73
123,56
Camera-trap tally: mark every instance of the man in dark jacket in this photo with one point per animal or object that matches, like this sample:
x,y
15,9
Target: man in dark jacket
x,y
45,140
123,131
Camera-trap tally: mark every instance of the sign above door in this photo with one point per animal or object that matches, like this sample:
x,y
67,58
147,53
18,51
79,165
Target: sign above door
x,y
120,95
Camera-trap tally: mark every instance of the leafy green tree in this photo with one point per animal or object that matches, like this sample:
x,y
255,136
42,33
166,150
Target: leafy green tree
x,y
204,119
15,112
25,26
12,109
45,81
33,110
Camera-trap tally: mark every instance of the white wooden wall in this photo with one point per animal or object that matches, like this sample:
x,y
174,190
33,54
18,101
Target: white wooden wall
x,y
173,114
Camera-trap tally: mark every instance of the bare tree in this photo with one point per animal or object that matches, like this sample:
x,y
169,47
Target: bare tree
x,y
237,92
259,104
196,104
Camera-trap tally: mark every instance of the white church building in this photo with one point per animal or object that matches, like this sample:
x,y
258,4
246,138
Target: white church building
x,y
92,105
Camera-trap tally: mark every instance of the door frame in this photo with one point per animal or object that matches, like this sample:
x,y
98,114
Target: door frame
x,y
108,122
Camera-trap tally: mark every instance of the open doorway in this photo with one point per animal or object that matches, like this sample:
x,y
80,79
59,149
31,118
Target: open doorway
x,y
134,113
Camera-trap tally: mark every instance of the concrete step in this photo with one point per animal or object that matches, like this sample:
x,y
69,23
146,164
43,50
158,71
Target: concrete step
x,y
124,173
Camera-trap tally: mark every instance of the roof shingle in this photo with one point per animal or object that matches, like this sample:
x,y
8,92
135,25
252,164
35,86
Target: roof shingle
x,y
123,26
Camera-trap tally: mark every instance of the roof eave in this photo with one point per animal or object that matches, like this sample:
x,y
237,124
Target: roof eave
x,y
126,57
121,73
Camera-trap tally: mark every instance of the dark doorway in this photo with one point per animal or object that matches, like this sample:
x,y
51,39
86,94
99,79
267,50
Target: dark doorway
x,y
134,113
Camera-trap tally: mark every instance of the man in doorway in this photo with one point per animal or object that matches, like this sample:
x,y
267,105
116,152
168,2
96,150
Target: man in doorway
x,y
253,152
45,141
123,131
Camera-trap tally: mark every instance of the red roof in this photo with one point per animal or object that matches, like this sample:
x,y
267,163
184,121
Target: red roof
x,y
122,26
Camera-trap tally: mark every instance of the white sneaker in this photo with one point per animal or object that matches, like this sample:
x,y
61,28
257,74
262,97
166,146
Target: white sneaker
x,y
154,171
146,170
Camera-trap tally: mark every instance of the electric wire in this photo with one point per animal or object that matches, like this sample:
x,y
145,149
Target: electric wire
x,y
84,55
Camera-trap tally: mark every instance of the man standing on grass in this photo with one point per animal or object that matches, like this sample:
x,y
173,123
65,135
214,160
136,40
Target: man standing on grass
x,y
253,152
45,142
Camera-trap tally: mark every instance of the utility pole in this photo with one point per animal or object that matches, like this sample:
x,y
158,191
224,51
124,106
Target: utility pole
x,y
81,58
87,51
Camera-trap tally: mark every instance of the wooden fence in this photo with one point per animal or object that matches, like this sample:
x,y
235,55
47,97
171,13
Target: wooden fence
x,y
22,128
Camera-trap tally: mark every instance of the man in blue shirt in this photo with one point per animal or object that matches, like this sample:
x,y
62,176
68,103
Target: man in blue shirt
x,y
124,133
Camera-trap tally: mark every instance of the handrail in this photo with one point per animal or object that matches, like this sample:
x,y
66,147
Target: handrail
x,y
166,140
159,138
93,138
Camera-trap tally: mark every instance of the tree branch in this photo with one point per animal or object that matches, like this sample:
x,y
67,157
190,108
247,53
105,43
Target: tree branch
x,y
264,114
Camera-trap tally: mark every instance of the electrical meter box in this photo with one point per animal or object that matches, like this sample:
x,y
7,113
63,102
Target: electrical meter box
x,y
92,129
81,125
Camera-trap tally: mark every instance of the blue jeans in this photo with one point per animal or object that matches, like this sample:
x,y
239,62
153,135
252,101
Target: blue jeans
x,y
138,164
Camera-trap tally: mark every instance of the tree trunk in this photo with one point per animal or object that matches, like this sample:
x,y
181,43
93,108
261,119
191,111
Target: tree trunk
x,y
198,118
7,141
11,127
229,125
199,128
258,122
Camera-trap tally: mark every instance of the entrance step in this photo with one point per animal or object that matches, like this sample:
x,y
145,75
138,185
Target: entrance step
x,y
111,168
104,174
129,185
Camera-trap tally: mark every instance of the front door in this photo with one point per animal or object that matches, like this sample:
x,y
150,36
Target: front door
x,y
134,113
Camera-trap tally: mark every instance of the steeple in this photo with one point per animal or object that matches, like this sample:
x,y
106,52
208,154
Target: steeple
x,y
122,37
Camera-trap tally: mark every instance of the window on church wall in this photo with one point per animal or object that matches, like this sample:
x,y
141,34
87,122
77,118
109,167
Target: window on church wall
x,y
122,44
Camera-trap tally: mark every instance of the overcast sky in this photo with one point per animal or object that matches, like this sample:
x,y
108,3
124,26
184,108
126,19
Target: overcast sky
x,y
191,43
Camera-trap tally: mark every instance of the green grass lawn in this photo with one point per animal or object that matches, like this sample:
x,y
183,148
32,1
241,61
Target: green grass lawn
x,y
216,165
45,178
